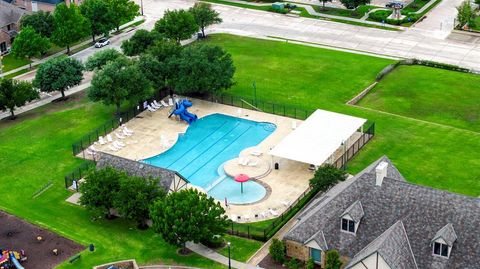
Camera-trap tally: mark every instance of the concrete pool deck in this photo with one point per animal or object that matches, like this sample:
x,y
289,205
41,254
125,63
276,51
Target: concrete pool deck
x,y
284,185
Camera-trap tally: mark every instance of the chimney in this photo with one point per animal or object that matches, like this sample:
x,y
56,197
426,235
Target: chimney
x,y
381,172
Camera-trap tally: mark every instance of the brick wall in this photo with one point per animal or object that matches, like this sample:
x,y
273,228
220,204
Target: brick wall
x,y
297,250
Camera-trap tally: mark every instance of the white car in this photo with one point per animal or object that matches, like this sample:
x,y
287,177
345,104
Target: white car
x,y
102,42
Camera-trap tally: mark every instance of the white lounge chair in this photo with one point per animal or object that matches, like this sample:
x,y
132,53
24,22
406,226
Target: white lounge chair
x,y
152,104
256,153
163,103
273,212
287,203
151,109
243,161
125,132
109,138
157,104
102,141
294,125
233,217
118,144
252,163
170,102
120,136
112,148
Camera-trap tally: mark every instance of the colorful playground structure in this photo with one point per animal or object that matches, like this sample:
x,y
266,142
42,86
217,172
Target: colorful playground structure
x,y
182,112
11,259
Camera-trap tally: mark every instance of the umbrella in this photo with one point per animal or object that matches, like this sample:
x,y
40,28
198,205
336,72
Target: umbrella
x,y
242,178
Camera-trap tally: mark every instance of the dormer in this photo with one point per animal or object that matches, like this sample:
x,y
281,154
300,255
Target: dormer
x,y
351,217
443,241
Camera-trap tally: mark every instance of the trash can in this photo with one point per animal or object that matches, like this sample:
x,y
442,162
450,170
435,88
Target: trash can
x,y
276,166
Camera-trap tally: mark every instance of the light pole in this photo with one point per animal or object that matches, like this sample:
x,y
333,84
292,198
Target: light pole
x,y
141,6
254,85
229,260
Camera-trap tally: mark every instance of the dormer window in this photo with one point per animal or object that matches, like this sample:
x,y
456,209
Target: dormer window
x,y
348,225
440,249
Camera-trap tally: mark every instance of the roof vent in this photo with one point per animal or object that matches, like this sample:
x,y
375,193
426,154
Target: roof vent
x,y
381,171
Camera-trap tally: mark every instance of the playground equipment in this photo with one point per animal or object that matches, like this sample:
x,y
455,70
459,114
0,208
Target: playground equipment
x,y
11,259
182,112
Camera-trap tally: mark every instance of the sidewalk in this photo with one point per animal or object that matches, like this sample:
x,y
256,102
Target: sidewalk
x,y
214,256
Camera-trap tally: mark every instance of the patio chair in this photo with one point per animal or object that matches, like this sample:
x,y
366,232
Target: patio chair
x,y
102,141
157,104
151,109
256,153
125,132
109,138
287,203
294,125
125,128
112,148
119,135
163,103
170,102
252,163
243,161
233,217
118,144
273,212
152,104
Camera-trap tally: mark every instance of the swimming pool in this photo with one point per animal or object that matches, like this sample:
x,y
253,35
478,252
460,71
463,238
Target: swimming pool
x,y
208,143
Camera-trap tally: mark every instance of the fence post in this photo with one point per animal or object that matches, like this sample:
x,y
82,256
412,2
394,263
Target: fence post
x,y
248,231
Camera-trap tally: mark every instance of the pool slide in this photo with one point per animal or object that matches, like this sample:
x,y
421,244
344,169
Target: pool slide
x,y
182,112
15,261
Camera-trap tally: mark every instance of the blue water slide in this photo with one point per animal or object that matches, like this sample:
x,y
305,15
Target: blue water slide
x,y
15,261
182,112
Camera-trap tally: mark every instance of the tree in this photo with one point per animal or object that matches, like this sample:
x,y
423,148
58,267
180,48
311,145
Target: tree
x,y
14,93
466,15
205,16
122,11
58,74
188,215
310,264
277,250
139,42
99,190
326,176
41,21
134,198
119,81
353,4
203,69
70,25
323,3
29,44
101,58
332,260
177,25
98,15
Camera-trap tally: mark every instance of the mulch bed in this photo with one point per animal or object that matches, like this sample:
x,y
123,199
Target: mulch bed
x,y
269,263
16,234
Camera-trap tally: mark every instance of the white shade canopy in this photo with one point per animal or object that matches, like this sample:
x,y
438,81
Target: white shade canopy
x,y
318,137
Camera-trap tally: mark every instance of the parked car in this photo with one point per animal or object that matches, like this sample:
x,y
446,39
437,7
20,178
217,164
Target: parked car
x,y
102,42
394,4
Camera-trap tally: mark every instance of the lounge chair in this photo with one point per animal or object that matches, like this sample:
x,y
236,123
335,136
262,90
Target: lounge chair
x,y
112,148
233,217
273,212
170,102
119,135
256,153
102,141
109,138
118,144
246,217
152,104
125,132
287,203
157,104
252,163
294,125
243,161
163,103
151,109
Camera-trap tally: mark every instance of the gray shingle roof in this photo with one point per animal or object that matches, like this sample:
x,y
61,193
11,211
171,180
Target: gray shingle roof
x,y
422,210
319,238
9,13
134,168
392,245
355,211
447,233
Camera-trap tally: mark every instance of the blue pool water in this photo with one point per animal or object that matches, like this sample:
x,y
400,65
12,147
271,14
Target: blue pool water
x,y
208,143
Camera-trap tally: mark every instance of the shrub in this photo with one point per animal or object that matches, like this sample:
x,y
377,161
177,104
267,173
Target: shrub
x,y
215,242
310,264
380,15
277,250
294,264
332,260
326,176
276,10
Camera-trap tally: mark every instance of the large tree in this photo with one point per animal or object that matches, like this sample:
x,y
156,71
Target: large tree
x,y
203,69
41,21
466,15
332,260
122,11
323,3
188,215
101,58
14,93
29,44
70,25
205,16
139,42
97,13
59,74
353,4
119,81
99,190
134,198
326,176
177,25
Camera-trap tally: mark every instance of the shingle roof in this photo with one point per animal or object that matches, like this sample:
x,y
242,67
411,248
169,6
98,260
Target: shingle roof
x,y
392,245
422,210
9,13
447,233
134,168
319,238
355,211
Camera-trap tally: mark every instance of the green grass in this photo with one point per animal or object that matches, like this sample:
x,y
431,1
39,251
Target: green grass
x,y
415,5
429,94
9,62
309,78
357,14
241,249
37,149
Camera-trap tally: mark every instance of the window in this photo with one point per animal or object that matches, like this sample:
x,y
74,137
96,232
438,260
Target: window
x,y
348,225
440,249
9,27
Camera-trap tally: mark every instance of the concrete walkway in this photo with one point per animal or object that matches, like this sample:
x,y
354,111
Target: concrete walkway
x,y
214,256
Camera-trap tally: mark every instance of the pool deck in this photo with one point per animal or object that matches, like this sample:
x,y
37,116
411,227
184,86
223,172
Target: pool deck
x,y
284,185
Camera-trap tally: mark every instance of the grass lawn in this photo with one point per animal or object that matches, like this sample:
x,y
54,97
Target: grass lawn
x,y
9,62
241,249
429,94
310,78
37,149
361,10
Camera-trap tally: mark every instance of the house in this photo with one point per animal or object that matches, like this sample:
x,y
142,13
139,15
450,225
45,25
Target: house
x,y
170,181
10,16
36,5
378,220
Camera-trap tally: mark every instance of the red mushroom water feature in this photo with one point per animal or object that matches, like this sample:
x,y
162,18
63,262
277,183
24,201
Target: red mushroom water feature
x,y
242,178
